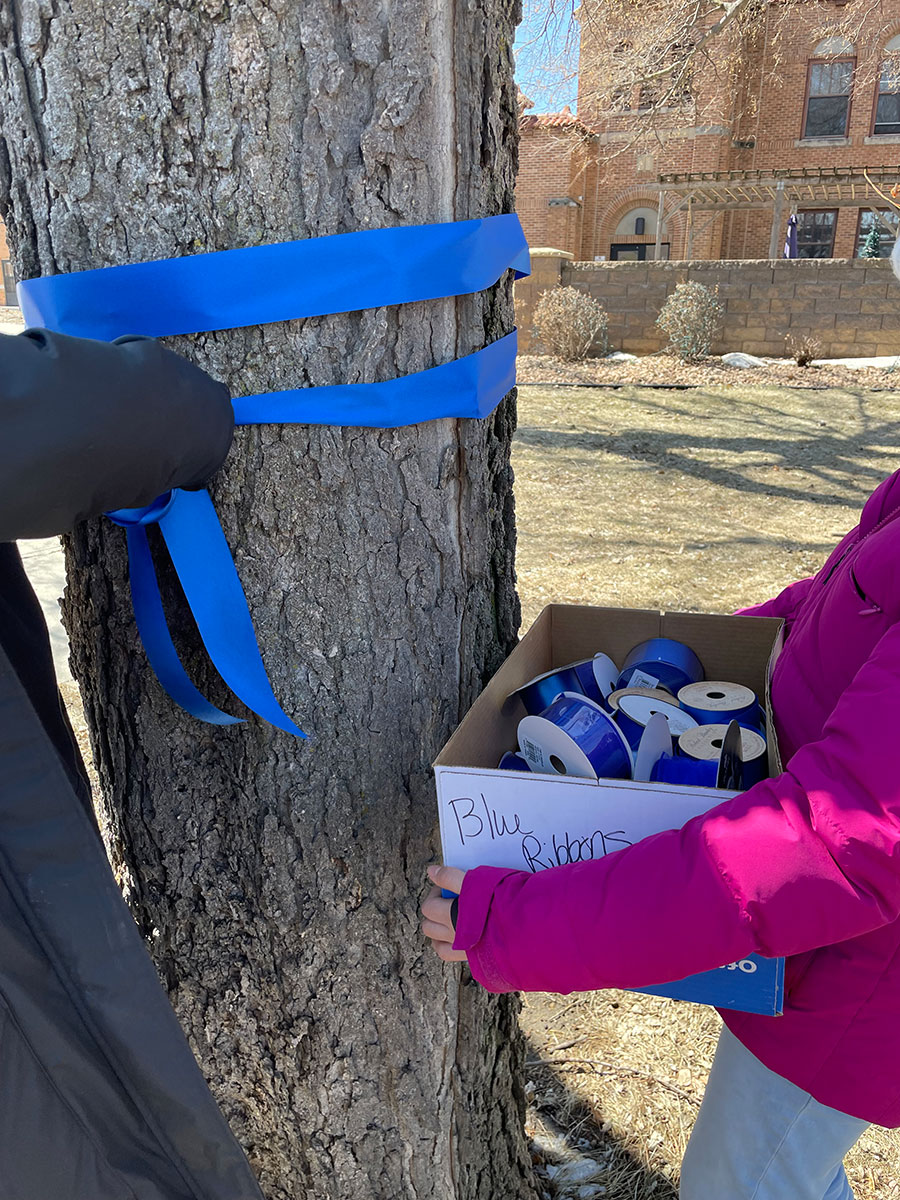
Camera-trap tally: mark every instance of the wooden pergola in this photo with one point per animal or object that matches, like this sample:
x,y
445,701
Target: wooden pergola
x,y
716,192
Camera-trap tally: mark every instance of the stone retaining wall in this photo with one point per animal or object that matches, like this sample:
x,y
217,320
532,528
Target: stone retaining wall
x,y
851,307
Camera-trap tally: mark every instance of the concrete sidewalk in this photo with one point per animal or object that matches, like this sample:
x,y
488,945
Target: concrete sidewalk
x,y
43,560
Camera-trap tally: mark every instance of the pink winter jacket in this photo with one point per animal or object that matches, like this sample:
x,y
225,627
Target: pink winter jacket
x,y
805,865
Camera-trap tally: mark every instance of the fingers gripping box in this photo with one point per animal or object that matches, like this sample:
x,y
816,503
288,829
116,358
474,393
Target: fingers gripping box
x,y
528,821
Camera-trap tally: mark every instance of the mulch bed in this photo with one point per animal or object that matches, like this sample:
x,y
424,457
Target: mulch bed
x,y
665,370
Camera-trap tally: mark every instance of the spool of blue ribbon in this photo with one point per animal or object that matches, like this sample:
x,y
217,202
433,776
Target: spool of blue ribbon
x,y
661,662
634,712
716,702
614,699
540,692
705,744
255,286
575,737
679,771
597,677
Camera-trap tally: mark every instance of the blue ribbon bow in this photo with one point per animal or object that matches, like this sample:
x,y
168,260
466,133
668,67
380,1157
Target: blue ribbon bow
x,y
255,286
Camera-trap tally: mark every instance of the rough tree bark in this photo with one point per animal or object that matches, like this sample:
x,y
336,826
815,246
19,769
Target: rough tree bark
x,y
277,882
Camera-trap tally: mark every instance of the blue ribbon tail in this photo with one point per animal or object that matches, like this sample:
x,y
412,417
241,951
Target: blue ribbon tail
x,y
466,387
210,582
257,285
154,633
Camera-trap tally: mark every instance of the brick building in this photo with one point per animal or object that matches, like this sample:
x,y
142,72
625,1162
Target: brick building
x,y
783,105
7,282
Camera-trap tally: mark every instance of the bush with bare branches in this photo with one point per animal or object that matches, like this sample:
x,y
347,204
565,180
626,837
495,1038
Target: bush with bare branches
x,y
802,349
569,324
692,317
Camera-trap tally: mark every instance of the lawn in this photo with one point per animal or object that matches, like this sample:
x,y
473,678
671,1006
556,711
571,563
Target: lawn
x,y
698,500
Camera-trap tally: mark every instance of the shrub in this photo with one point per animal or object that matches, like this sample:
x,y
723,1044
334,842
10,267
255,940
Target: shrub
x,y
802,349
569,323
692,317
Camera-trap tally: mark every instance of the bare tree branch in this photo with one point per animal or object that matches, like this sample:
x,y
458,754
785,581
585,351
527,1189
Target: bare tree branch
x,y
637,79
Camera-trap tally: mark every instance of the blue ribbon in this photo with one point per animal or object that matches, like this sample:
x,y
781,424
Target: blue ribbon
x,y
256,286
467,387
228,289
154,630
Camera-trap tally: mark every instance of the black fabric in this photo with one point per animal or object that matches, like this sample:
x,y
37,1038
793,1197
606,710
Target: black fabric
x,y
78,987
88,426
100,1097
24,637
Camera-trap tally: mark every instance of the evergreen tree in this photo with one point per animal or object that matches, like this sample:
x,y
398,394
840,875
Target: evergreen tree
x,y
872,245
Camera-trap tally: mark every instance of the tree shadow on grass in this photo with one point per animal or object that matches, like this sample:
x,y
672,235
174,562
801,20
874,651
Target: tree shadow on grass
x,y
573,1134
846,458
760,435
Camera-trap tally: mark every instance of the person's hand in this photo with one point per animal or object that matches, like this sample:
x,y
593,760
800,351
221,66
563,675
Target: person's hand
x,y
437,919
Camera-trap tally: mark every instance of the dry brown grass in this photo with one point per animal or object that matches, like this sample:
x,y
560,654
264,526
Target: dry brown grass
x,y
701,500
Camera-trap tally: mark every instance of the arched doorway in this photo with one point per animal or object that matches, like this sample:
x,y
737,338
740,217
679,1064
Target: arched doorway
x,y
634,237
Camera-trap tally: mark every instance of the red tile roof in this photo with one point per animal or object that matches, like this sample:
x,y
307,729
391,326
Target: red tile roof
x,y
561,120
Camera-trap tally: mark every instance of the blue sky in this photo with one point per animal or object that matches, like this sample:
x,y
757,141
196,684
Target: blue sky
x,y
546,54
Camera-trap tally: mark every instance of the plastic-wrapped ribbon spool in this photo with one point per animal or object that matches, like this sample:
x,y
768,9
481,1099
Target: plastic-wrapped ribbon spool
x,y
597,676
704,744
540,692
574,736
614,698
674,769
716,702
634,712
661,662
511,761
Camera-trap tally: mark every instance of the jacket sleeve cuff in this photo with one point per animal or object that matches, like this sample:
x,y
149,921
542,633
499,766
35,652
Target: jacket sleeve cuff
x,y
475,900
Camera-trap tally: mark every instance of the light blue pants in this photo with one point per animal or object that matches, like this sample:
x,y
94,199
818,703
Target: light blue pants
x,y
758,1137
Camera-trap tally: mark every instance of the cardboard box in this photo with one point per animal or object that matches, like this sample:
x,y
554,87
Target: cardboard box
x,y
529,821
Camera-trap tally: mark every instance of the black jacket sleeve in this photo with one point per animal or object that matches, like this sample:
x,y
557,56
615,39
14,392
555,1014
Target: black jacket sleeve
x,y
89,426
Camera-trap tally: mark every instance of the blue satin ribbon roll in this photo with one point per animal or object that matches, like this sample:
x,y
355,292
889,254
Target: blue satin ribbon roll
x,y
539,693
674,769
661,662
614,699
255,286
575,737
705,743
716,702
634,713
587,677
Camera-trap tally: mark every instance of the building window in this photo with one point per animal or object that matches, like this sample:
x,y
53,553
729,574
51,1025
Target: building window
x,y
888,225
887,103
828,99
815,233
638,222
636,251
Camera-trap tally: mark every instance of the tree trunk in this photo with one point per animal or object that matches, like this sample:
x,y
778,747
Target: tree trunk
x,y
277,882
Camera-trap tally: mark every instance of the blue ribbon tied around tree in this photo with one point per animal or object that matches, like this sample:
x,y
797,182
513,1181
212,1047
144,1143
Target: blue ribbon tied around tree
x,y
258,285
